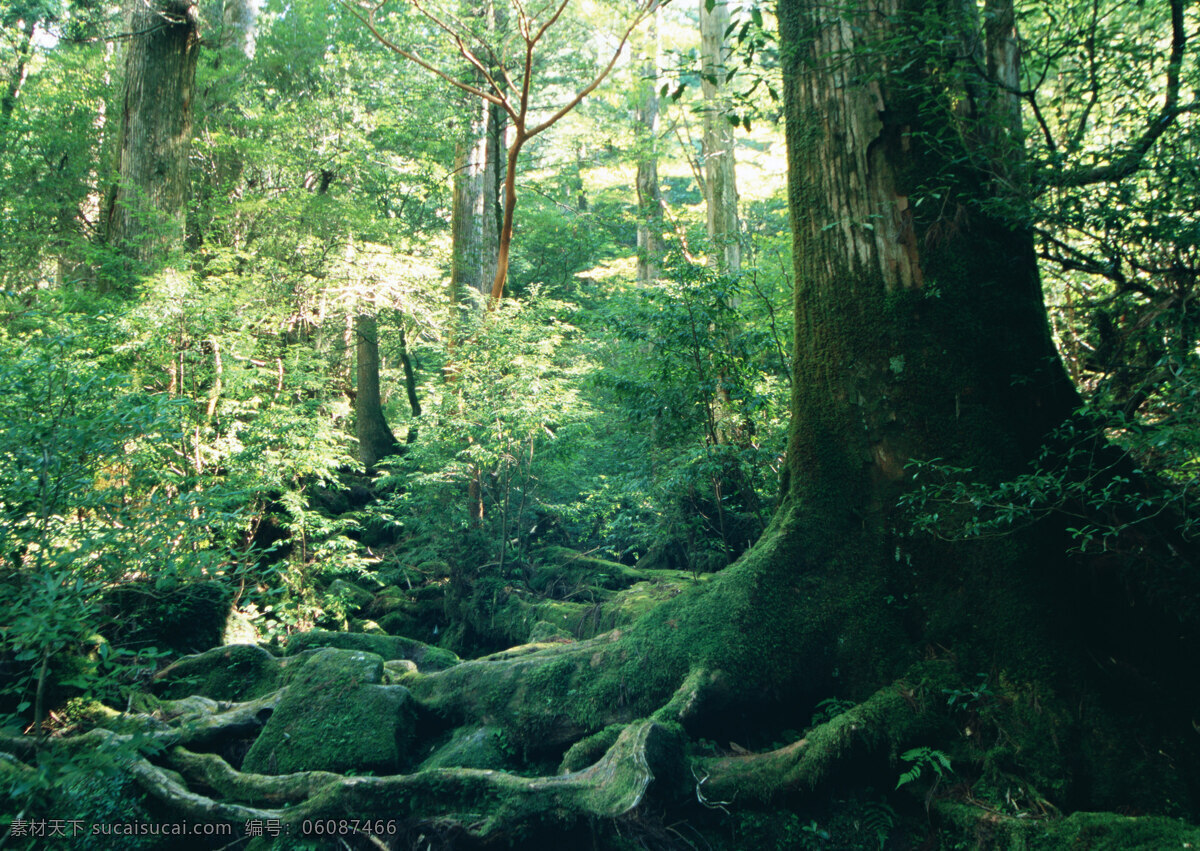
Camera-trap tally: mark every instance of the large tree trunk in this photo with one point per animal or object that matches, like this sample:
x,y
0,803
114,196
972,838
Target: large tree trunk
x,y
466,219
146,214
920,334
475,215
720,181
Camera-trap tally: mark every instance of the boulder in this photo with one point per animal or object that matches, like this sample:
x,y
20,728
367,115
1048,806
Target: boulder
x,y
336,715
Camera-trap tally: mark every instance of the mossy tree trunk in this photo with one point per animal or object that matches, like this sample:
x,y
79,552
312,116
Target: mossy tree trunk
x,y
375,437
146,212
920,327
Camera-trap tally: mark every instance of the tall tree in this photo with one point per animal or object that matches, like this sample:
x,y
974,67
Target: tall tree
x,y
478,166
239,19
649,193
471,202
720,179
375,437
510,89
146,211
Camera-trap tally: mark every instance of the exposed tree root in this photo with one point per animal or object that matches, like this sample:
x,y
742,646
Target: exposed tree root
x,y
482,804
688,700
224,721
893,716
526,691
209,770
1100,831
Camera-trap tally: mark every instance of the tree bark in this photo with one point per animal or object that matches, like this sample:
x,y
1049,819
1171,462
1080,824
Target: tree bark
x,y
240,26
146,214
375,438
476,213
646,128
720,181
466,220
920,327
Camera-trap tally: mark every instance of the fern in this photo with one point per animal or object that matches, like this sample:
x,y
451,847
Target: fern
x,y
879,819
920,759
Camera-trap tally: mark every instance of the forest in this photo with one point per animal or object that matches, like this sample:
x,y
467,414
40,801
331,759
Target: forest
x,y
616,424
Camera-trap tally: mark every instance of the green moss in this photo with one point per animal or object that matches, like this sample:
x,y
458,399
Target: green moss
x,y
388,646
483,747
895,716
388,600
590,748
336,716
403,621
563,568
544,632
354,598
188,618
1111,832
987,831
236,672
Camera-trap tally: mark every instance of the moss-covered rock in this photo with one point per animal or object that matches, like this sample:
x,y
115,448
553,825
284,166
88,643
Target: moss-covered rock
x,y
235,672
387,601
544,631
389,647
482,747
423,619
395,670
418,613
401,622
355,598
336,715
366,627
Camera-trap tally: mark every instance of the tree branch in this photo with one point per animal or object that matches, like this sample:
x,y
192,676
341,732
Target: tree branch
x,y
641,16
1132,159
1093,81
368,21
469,55
549,23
